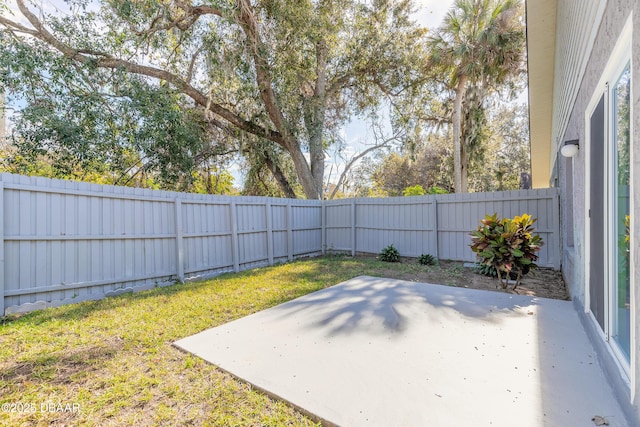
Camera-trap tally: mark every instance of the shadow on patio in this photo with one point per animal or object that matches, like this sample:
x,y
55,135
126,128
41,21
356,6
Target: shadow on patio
x,y
374,351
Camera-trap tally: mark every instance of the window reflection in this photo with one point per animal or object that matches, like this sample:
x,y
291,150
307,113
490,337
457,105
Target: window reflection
x,y
621,120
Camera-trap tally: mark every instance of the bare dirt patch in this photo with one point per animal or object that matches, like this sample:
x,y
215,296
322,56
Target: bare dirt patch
x,y
542,282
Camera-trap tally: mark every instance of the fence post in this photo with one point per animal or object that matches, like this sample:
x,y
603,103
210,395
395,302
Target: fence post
x,y
269,232
557,253
353,227
234,236
1,248
434,224
289,232
323,226
179,241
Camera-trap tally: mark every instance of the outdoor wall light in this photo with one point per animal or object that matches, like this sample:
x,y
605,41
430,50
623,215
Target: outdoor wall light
x,y
570,148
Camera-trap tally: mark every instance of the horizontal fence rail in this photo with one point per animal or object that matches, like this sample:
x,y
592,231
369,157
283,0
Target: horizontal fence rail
x,y
65,241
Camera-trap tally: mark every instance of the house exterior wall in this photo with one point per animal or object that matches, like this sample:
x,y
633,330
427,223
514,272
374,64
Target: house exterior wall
x,y
571,178
575,38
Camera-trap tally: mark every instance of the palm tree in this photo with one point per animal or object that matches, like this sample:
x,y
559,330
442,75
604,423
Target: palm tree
x,y
479,45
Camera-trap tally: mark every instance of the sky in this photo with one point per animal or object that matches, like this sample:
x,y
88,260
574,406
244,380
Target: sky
x,y
432,11
356,134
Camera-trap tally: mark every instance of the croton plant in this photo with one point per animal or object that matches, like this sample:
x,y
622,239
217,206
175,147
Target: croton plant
x,y
508,245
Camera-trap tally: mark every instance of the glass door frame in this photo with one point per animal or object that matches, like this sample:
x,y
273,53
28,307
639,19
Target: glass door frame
x,y
617,63
611,219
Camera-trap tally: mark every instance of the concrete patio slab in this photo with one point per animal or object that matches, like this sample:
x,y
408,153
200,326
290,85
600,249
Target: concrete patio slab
x,y
383,352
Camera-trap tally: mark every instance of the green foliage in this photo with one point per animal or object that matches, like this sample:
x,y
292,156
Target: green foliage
x,y
478,49
425,166
180,86
624,242
389,254
490,271
507,245
437,190
415,190
627,232
213,181
427,259
97,125
486,270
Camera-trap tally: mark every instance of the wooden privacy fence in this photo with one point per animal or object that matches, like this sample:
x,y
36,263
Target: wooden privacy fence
x,y
438,225
66,241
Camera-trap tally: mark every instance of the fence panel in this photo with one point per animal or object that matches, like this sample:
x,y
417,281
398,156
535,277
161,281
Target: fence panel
x,y
338,225
460,214
438,225
66,241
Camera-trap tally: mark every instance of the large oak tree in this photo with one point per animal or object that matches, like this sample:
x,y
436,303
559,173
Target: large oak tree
x,y
275,76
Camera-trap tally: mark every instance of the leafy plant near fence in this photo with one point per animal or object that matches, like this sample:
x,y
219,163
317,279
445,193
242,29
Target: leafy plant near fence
x,y
490,271
389,254
427,259
507,245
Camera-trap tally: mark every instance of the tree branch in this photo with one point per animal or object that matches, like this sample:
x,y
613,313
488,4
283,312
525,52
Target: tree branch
x,y
354,159
249,25
192,63
191,16
104,60
198,10
14,26
280,177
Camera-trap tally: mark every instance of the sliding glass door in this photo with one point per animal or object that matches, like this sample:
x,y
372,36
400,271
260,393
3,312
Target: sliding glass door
x,y
609,134
620,238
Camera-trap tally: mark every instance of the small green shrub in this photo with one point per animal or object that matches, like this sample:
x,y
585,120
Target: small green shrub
x,y
427,259
490,271
389,254
416,190
507,245
486,270
437,190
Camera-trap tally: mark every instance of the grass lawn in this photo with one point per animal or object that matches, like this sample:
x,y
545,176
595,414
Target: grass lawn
x,y
111,362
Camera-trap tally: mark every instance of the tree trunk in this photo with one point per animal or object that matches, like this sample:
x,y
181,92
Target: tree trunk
x,y
303,171
460,185
464,166
316,146
314,117
280,178
316,153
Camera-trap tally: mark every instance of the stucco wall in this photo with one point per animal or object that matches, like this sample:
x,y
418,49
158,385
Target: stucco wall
x,y
574,257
